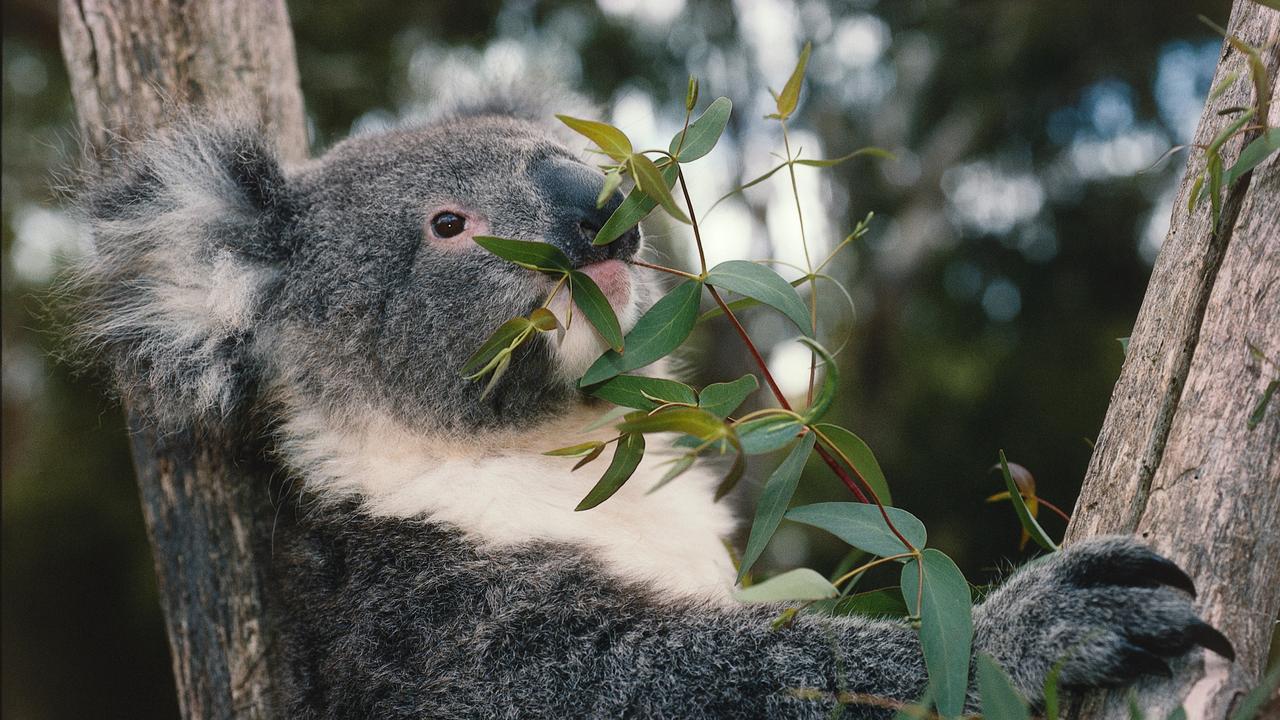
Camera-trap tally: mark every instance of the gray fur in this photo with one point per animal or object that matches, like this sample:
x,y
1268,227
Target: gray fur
x,y
217,271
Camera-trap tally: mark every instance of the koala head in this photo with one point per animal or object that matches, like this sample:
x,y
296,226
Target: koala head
x,y
350,283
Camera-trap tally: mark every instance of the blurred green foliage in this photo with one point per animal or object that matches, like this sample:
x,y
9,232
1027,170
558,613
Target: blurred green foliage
x,y
1012,242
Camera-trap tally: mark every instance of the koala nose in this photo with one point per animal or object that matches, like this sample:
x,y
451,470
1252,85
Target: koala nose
x,y
570,190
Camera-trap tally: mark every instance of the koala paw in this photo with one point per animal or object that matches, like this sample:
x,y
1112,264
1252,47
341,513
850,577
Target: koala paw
x,y
1109,609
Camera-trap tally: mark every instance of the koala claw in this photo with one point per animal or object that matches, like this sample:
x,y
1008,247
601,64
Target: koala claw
x,y
1109,609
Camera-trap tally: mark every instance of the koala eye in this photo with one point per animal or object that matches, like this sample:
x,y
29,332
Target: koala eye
x,y
447,224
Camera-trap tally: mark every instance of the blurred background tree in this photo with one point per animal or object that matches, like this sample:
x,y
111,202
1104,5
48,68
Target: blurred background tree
x,y
1014,234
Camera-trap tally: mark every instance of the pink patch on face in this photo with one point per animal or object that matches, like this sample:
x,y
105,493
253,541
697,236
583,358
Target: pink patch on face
x,y
614,279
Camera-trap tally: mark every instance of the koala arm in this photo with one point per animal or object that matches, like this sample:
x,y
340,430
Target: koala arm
x,y
401,618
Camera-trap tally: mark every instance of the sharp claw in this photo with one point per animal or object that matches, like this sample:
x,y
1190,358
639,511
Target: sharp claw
x,y
1205,635
1167,572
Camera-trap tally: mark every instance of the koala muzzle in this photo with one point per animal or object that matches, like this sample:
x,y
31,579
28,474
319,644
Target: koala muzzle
x,y
570,190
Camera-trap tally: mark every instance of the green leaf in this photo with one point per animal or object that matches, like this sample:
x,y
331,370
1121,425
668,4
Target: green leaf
x,y
703,133
732,477
763,284
1253,154
1260,410
659,331
649,180
686,420
501,339
608,138
862,526
612,180
740,188
626,458
638,391
1178,713
543,320
1000,701
1124,345
830,381
575,450
872,151
678,467
774,500
859,455
1251,706
691,95
798,584
589,457
1193,197
946,625
632,210
1029,523
766,434
1050,692
595,306
790,94
720,399
533,255
873,603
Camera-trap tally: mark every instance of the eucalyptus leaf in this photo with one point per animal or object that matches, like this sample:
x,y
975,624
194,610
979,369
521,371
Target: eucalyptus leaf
x,y
649,180
862,526
526,253
608,138
731,478
638,391
659,331
798,584
632,210
612,181
575,450
686,420
754,181
720,399
1025,517
763,284
825,163
766,434
595,306
678,467
501,339
1000,701
703,133
626,458
589,457
1253,154
859,455
830,381
790,94
774,500
874,603
946,625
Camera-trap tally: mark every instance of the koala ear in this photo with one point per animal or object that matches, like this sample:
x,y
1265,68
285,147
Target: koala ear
x,y
189,231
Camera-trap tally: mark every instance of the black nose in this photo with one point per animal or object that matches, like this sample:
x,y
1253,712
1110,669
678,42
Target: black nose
x,y
570,190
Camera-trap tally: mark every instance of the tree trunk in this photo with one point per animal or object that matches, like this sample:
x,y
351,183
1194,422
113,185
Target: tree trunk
x,y
205,494
1178,460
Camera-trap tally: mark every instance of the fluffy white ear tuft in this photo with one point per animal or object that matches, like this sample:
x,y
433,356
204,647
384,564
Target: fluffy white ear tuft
x,y
188,232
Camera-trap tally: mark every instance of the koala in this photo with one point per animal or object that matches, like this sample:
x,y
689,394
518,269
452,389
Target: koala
x,y
439,569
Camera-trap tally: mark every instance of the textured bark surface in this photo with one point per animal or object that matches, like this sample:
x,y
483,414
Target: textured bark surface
x,y
206,496
1177,461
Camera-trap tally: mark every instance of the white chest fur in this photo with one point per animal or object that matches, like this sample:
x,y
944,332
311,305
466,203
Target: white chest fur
x,y
501,491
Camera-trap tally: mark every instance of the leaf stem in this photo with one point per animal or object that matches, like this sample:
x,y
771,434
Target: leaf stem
x,y
693,220
804,244
863,568
663,268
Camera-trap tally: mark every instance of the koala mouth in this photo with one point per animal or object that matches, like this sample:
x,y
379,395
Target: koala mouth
x,y
614,279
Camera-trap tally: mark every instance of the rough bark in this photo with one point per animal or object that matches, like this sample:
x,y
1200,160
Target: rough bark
x,y
1177,460
205,494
